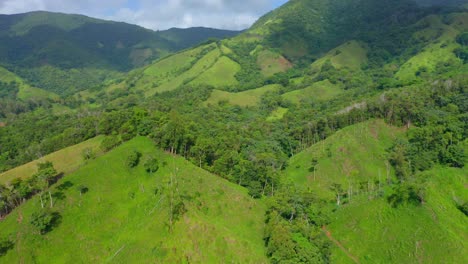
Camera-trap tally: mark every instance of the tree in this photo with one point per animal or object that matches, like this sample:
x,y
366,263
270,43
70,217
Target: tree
x,y
151,165
44,221
338,190
109,143
43,178
133,159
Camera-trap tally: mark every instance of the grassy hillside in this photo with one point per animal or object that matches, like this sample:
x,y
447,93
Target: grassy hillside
x,y
367,228
247,98
124,216
271,63
196,69
65,161
353,155
221,74
319,91
440,38
351,55
435,232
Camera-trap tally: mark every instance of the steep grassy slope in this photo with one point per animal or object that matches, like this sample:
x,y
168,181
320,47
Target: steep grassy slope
x,y
124,216
434,232
351,55
440,38
353,155
319,91
247,98
365,227
65,161
221,74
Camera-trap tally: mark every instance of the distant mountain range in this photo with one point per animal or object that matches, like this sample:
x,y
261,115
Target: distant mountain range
x,y
40,44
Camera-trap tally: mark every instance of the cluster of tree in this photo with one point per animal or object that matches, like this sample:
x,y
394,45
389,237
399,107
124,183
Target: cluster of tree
x,y
294,223
20,190
462,52
249,76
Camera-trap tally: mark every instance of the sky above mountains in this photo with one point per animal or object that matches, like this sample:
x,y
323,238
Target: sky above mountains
x,y
156,14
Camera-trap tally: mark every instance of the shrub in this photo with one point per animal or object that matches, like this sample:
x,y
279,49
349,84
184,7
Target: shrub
x,y
88,154
151,165
133,159
45,221
109,143
5,246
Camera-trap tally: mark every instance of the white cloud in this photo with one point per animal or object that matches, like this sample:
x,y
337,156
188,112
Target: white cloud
x,y
155,14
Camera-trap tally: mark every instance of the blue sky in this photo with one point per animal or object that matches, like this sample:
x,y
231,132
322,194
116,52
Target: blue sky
x,y
156,14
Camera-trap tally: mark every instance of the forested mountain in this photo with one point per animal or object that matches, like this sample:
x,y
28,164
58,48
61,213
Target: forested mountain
x,y
67,53
331,131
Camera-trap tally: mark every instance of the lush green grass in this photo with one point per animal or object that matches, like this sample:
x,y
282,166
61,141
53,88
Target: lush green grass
x,y
350,55
124,216
435,232
65,161
198,68
441,39
367,226
319,91
246,98
277,114
271,63
352,155
221,74
167,68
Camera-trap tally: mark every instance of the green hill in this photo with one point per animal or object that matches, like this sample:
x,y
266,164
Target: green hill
x,y
55,51
353,155
365,226
124,216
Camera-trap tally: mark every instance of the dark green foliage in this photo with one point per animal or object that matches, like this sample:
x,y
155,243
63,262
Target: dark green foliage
x,y
462,39
151,165
249,76
8,90
133,159
109,143
463,208
45,221
83,189
406,193
5,246
293,228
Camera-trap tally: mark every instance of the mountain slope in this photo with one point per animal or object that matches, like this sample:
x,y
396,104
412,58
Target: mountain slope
x,y
39,45
124,216
365,226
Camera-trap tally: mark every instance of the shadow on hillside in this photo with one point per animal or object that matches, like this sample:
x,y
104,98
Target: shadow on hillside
x,y
65,186
5,246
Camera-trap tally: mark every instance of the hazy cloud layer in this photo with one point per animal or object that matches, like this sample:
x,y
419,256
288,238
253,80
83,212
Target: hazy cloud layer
x,y
156,14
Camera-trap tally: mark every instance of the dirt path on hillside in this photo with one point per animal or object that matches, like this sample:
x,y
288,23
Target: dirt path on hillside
x,y
336,242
